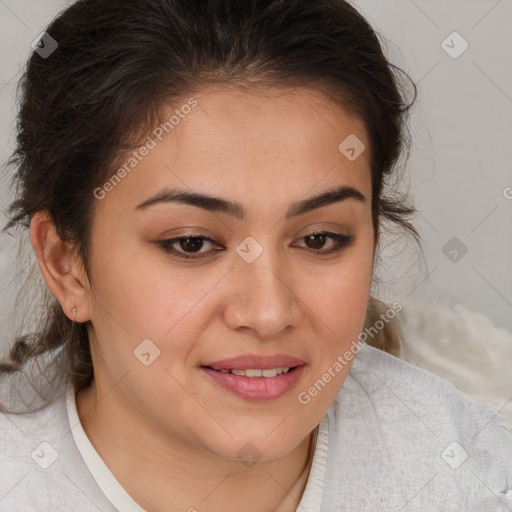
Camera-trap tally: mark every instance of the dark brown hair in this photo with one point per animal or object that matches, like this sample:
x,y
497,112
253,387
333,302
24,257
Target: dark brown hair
x,y
119,63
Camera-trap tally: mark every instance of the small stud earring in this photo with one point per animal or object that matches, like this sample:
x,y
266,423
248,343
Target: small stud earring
x,y
74,313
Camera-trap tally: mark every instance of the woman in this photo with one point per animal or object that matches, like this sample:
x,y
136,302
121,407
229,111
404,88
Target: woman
x,y
203,184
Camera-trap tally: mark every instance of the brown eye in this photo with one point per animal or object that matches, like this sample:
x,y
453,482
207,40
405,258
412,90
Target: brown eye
x,y
187,246
193,244
316,242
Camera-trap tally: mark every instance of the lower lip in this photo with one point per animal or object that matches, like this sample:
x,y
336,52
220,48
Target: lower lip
x,y
257,388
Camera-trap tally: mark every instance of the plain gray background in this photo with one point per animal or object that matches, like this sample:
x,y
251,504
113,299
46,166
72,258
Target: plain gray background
x,y
459,171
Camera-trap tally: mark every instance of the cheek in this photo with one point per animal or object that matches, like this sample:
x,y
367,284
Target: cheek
x,y
341,307
339,301
342,288
170,306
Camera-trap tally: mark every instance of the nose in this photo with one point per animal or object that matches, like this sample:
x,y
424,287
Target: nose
x,y
264,297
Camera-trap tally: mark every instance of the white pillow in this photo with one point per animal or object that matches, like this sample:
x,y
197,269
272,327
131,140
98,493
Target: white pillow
x,y
462,346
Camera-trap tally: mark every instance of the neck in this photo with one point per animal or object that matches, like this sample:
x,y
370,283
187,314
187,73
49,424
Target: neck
x,y
157,469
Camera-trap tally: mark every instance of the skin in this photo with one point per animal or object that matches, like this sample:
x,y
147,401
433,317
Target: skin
x,y
181,431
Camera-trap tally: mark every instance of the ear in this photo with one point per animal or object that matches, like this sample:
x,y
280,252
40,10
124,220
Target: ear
x,y
61,267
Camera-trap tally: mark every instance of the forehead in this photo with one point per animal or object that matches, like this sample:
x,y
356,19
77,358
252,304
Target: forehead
x,y
297,120
277,142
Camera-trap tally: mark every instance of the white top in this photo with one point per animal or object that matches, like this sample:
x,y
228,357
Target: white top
x,y
396,438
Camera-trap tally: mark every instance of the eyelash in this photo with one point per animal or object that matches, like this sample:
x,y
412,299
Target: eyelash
x,y
342,241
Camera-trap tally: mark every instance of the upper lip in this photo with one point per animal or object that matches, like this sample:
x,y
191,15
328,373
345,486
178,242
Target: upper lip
x,y
256,361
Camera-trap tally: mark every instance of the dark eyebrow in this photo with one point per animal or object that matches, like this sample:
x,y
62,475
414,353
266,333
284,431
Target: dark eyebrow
x,y
217,204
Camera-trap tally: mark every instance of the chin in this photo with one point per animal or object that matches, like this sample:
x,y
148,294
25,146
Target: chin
x,y
249,449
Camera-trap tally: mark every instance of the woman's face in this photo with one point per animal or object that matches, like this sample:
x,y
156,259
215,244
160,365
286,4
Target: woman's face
x,y
257,286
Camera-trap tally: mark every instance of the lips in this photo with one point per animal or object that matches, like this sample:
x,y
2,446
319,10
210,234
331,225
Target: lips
x,y
255,361
256,389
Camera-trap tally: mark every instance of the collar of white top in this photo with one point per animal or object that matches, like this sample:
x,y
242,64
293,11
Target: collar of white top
x,y
310,501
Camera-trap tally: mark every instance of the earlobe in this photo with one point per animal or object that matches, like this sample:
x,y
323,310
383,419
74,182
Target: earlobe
x,y
60,267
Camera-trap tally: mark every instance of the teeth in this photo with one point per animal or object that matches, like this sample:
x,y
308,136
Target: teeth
x,y
250,372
